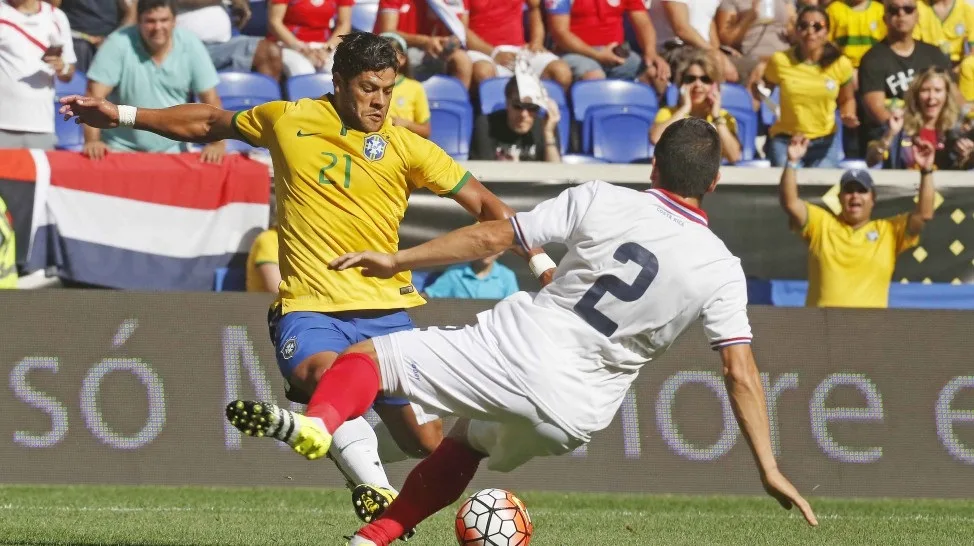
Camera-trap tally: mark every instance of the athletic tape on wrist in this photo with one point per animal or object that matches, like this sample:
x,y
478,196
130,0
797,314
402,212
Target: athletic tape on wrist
x,y
126,115
540,263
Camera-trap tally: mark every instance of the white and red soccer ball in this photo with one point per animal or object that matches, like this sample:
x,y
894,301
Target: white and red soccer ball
x,y
493,517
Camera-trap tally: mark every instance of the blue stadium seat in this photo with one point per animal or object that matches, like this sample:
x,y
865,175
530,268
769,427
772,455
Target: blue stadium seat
x,y
309,86
451,125
364,14
620,134
737,101
76,86
70,135
229,279
451,119
586,95
492,99
257,25
243,90
446,88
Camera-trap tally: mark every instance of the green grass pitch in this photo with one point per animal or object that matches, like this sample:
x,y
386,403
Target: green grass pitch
x,y
150,516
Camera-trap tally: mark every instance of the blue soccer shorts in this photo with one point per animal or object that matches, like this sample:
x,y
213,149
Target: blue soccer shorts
x,y
300,334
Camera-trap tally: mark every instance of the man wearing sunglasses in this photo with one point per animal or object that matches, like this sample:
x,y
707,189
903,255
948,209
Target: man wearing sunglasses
x,y
889,67
519,132
851,256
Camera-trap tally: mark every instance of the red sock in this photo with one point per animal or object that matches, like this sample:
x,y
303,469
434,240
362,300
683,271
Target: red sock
x,y
436,482
347,390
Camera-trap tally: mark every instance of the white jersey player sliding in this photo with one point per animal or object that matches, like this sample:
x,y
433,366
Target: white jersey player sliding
x,y
541,372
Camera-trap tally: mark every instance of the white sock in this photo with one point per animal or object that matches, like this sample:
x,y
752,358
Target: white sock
x,y
389,451
355,450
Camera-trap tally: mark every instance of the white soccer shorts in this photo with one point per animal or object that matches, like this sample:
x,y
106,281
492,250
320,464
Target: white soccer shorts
x,y
459,372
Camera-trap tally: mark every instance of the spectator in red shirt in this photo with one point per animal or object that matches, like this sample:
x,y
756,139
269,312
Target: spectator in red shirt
x,y
303,28
433,49
590,37
495,39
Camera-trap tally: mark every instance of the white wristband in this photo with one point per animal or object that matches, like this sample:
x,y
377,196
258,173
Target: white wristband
x,y
540,263
126,115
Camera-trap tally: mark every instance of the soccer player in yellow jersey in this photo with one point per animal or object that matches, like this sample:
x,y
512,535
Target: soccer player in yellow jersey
x,y
343,174
851,256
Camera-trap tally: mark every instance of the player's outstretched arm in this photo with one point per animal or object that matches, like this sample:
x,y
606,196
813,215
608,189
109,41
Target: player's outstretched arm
x,y
747,398
185,122
484,205
462,245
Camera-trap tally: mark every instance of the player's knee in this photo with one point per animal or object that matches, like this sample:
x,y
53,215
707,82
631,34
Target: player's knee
x,y
425,439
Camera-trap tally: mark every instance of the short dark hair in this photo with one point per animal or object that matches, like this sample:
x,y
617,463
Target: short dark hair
x,y
363,52
688,157
830,53
145,6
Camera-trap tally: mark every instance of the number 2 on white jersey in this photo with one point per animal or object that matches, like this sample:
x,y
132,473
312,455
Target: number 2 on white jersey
x,y
627,252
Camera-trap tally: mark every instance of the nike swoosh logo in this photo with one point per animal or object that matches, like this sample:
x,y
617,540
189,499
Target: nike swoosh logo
x,y
300,134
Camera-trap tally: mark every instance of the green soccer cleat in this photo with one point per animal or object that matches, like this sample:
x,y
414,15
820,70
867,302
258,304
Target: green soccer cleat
x,y
370,502
305,435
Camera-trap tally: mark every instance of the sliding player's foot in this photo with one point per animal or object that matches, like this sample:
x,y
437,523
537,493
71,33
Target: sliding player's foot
x,y
370,502
356,540
305,435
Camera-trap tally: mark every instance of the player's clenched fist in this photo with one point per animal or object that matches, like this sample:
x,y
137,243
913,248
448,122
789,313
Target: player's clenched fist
x,y
98,113
373,264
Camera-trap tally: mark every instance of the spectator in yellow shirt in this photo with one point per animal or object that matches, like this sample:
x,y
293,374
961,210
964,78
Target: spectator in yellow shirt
x,y
814,78
263,269
966,78
851,257
700,98
409,107
957,19
855,26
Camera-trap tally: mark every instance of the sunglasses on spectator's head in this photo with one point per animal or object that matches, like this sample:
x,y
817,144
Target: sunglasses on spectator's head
x,y
689,79
816,26
901,10
521,106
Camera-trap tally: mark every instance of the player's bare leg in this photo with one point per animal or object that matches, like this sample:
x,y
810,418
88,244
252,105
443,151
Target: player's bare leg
x,y
353,447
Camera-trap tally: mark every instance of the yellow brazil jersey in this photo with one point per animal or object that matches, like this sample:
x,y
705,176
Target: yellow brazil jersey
x,y
263,251
808,93
856,29
929,28
852,268
665,113
340,190
966,78
958,28
409,101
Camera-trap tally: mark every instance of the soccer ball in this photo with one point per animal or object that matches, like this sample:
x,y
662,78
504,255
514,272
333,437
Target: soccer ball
x,y
493,517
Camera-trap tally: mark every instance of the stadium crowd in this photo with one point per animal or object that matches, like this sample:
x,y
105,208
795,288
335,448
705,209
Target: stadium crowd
x,y
861,79
855,83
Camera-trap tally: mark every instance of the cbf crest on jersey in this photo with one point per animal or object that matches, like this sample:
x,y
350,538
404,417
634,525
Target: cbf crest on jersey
x,y
374,147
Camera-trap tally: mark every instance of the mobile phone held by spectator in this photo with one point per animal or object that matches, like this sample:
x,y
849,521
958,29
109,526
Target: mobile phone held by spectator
x,y
622,50
53,51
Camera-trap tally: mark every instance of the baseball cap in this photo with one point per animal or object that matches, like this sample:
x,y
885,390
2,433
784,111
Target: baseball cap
x,y
856,176
396,38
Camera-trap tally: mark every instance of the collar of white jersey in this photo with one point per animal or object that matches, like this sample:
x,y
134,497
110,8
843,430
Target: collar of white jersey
x,y
681,208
